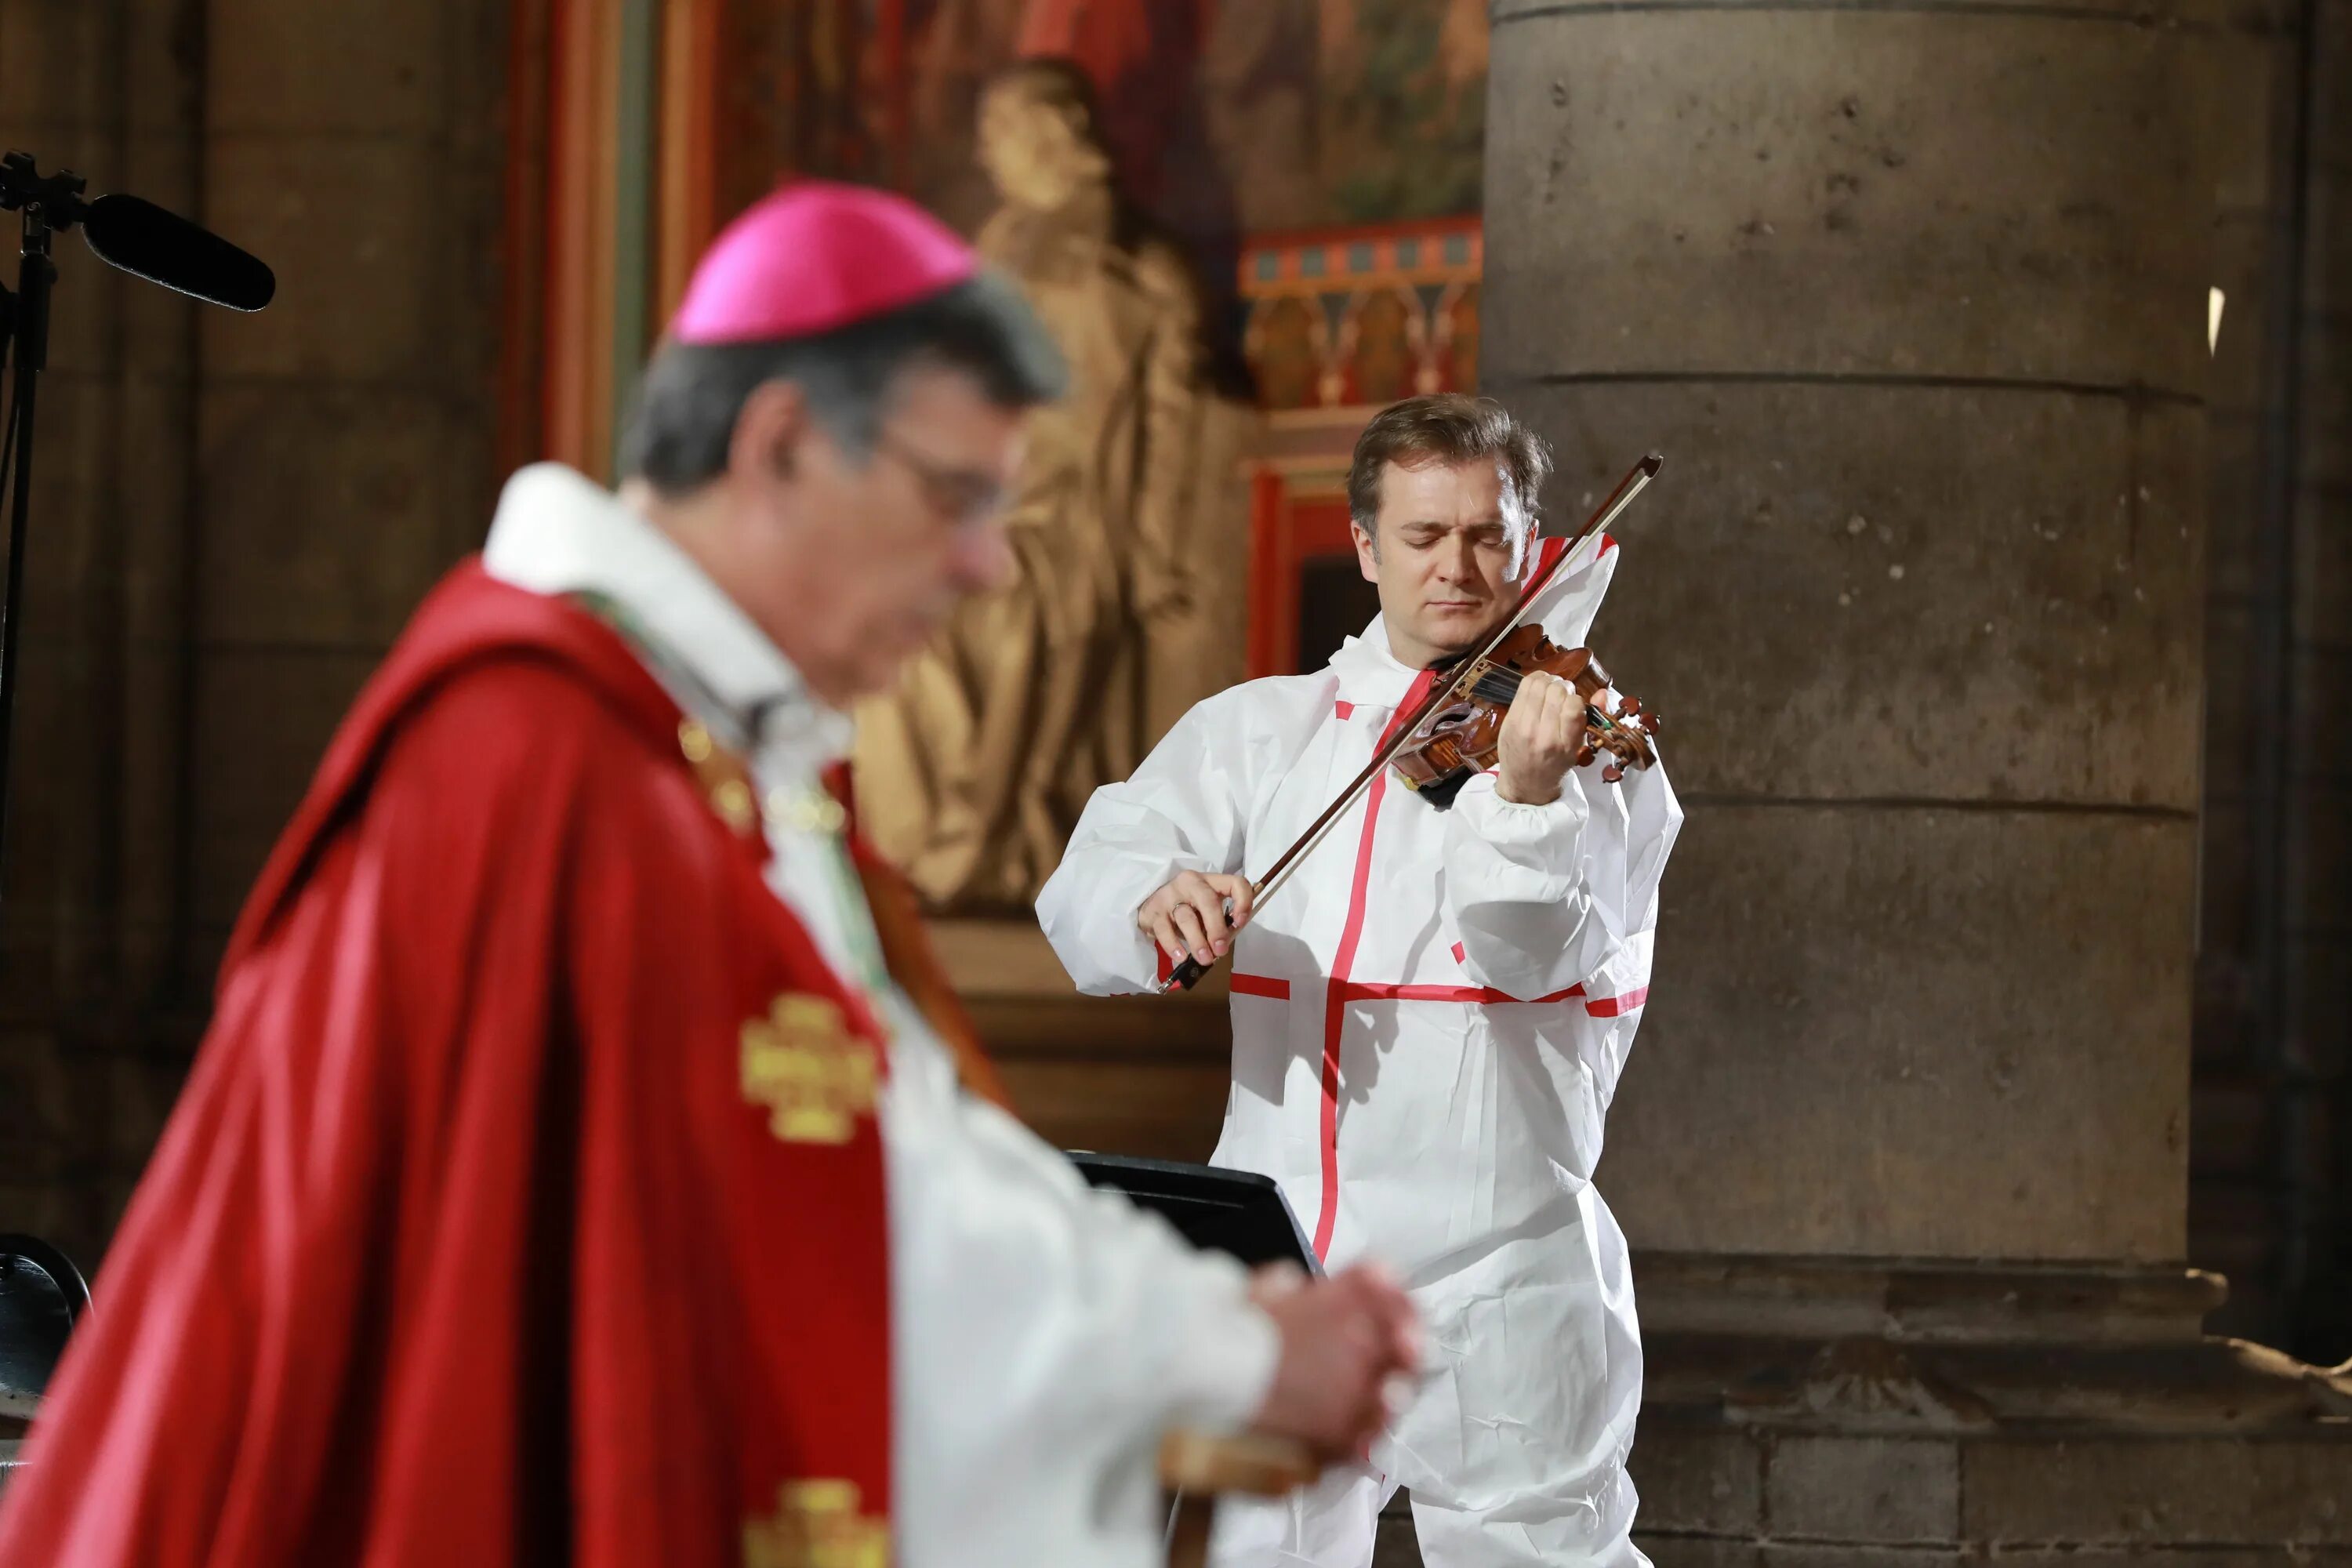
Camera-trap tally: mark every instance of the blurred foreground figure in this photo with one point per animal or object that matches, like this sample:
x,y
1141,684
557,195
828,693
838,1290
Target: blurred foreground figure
x,y
584,1165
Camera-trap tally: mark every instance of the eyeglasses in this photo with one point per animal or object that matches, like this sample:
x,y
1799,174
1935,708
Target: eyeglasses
x,y
965,496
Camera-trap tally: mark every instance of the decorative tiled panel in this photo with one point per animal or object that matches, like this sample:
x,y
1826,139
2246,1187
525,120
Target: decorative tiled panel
x,y
1362,317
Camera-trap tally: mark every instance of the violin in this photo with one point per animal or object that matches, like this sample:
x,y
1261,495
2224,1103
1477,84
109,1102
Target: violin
x,y
1464,736
1456,731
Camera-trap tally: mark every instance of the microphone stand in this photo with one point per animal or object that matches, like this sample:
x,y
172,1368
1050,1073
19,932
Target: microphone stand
x,y
49,204
136,236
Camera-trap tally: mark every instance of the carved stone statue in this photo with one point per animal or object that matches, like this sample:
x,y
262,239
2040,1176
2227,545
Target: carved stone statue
x,y
971,773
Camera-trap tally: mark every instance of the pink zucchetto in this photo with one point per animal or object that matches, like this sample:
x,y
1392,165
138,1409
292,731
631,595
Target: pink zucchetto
x,y
815,255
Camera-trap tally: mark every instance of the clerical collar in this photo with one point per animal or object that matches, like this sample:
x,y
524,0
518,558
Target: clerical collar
x,y
558,532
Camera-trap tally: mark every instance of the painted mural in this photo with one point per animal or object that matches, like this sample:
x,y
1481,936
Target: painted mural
x,y
1228,117
1317,163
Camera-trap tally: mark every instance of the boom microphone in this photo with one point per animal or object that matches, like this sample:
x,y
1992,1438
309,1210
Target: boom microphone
x,y
143,239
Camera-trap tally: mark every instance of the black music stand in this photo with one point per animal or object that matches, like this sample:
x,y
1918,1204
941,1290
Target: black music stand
x,y
1236,1211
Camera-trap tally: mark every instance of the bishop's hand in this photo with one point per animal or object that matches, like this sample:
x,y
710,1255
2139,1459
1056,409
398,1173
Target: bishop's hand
x,y
1345,1340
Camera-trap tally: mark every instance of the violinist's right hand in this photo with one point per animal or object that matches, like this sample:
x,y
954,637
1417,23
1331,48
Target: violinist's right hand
x,y
1187,918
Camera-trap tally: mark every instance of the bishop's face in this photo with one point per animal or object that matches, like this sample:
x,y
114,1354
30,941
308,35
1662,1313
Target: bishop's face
x,y
864,558
1447,554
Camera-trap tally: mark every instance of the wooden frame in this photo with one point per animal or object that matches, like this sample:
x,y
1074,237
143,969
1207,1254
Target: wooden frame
x,y
1287,530
610,196
583,153
686,207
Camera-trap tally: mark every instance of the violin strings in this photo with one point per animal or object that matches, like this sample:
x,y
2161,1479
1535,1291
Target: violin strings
x,y
1503,685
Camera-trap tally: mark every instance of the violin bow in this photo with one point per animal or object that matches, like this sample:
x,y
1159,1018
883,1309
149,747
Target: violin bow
x,y
1186,974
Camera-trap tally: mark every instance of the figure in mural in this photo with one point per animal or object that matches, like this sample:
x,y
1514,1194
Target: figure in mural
x,y
984,756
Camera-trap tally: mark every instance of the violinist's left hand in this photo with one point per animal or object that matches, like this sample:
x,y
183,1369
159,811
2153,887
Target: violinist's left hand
x,y
1543,733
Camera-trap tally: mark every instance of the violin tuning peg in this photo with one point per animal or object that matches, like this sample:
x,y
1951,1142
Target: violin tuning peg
x,y
1611,773
1630,705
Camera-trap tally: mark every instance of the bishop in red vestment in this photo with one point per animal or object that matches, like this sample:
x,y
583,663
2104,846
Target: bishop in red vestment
x,y
575,1167
526,1201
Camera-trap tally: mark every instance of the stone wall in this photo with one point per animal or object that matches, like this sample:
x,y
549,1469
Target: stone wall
x,y
2319,921
233,514
1795,1501
1904,1153
2270,1185
1917,327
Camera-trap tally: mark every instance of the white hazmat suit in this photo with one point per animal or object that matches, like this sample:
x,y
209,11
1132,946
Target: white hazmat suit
x,y
1429,1021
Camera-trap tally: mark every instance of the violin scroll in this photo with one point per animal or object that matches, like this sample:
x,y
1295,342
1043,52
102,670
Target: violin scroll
x,y
1624,735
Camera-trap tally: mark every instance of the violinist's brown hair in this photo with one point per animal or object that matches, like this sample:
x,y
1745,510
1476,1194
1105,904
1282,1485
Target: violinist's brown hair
x,y
1447,428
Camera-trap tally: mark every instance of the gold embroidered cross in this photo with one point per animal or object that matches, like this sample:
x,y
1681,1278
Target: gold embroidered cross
x,y
815,1078
817,1524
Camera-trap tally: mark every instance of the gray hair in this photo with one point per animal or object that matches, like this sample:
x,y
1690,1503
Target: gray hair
x,y
683,422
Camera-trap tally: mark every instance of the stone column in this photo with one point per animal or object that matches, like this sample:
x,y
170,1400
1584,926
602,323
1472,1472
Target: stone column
x,y
1913,297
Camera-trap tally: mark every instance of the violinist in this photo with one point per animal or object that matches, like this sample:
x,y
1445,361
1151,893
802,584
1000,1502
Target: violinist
x,y
1430,1020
